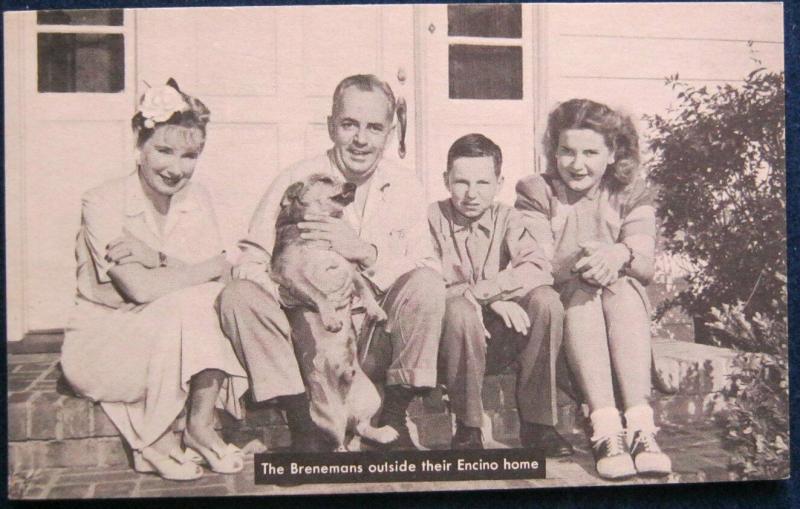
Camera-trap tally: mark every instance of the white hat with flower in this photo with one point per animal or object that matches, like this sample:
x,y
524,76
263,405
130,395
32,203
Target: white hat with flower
x,y
158,104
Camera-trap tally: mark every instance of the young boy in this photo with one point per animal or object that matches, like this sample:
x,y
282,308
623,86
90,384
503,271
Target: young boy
x,y
500,306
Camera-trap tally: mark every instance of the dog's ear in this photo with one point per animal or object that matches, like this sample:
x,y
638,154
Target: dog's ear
x,y
291,194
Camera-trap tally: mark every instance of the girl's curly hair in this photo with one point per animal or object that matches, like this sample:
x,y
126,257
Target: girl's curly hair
x,y
617,130
196,115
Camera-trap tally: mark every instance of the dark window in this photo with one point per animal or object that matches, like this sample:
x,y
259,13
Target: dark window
x,y
110,17
504,20
81,62
485,72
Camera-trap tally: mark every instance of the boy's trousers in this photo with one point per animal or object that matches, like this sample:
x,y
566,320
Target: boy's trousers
x,y
466,355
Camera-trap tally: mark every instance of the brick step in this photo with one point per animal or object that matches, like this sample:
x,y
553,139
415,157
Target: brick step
x,y
50,428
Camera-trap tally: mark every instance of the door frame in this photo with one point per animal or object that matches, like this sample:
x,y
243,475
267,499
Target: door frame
x,y
14,176
28,106
539,72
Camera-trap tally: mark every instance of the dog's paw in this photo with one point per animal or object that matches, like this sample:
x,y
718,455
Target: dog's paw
x,y
334,327
377,314
331,322
383,435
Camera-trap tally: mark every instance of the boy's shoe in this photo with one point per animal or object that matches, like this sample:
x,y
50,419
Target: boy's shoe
x,y
647,455
612,459
466,438
544,438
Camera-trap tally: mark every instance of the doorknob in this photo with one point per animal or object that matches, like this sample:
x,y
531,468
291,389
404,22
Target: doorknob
x,y
431,28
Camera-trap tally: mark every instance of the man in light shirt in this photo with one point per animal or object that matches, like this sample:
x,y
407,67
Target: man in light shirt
x,y
387,239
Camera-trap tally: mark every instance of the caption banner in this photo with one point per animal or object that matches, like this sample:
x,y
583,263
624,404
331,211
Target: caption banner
x,y
399,466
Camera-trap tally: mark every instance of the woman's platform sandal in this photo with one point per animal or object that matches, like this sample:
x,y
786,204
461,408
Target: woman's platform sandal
x,y
222,460
175,466
647,455
613,461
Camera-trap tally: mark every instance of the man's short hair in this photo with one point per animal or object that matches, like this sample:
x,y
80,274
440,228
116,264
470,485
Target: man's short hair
x,y
365,83
475,145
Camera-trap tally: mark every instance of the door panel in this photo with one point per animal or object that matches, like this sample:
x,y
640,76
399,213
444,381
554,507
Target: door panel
x,y
330,52
266,74
72,141
232,167
60,170
508,122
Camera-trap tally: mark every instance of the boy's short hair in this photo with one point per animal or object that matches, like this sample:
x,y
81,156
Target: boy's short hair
x,y
475,145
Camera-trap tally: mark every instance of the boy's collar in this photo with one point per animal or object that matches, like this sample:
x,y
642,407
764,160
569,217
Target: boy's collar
x,y
485,222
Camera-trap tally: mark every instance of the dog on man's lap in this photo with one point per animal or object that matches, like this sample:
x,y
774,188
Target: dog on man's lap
x,y
343,400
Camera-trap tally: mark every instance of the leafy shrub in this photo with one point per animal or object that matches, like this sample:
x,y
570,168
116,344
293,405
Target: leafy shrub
x,y
756,423
719,163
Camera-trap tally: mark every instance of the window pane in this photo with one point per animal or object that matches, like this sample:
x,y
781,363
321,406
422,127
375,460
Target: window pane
x,y
485,72
81,62
502,20
111,17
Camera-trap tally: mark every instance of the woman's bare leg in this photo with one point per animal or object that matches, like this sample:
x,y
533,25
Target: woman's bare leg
x,y
629,344
167,442
587,352
628,327
586,347
204,389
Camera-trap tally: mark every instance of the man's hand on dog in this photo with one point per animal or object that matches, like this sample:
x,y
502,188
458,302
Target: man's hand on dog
x,y
512,314
341,237
258,274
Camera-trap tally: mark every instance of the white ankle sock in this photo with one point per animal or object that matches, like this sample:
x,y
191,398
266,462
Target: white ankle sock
x,y
605,422
639,417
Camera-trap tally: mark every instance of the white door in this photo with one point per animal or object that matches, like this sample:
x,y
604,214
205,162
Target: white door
x,y
74,75
267,75
478,75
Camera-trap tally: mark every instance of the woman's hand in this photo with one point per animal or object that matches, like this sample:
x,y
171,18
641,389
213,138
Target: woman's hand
x,y
512,314
601,263
129,249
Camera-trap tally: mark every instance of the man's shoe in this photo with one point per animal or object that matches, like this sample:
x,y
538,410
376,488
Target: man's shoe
x,y
403,441
395,404
544,438
466,438
612,458
647,455
306,435
309,441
